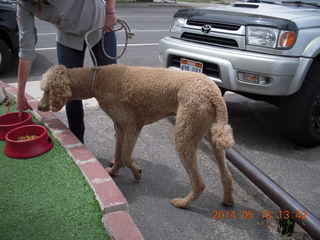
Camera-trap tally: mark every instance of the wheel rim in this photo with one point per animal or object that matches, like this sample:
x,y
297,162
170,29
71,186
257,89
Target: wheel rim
x,y
316,114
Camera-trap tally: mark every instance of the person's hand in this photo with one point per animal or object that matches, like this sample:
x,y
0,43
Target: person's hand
x,y
109,22
22,104
23,73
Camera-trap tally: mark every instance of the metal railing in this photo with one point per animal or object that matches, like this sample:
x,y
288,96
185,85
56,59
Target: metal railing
x,y
309,222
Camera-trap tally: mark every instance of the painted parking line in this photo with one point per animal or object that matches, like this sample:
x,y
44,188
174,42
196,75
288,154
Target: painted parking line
x,y
46,49
45,34
132,30
143,16
118,45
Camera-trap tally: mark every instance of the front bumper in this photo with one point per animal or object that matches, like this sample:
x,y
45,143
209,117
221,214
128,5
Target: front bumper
x,y
286,73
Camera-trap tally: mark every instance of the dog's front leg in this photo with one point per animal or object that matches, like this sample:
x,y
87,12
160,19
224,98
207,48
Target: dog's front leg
x,y
130,135
117,164
127,136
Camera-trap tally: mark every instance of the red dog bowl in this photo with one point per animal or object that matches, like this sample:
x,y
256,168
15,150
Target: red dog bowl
x,y
12,120
27,141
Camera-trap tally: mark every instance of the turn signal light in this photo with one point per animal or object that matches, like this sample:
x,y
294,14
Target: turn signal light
x,y
287,39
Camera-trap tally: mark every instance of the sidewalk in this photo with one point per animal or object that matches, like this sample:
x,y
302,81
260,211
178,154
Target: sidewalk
x,y
33,89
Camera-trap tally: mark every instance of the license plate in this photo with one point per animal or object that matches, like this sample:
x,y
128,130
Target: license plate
x,y
189,65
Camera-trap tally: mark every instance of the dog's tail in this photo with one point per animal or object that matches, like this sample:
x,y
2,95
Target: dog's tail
x,y
221,131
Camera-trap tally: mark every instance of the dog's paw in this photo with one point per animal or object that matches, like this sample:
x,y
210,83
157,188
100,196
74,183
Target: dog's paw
x,y
179,203
228,202
137,174
110,171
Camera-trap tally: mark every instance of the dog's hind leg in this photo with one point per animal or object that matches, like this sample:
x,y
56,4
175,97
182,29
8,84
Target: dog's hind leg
x,y
187,137
226,177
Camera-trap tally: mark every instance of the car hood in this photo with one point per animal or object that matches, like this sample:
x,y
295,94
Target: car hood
x,y
283,16
8,5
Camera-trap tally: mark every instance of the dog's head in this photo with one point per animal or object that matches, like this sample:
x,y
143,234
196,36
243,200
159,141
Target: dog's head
x,y
55,84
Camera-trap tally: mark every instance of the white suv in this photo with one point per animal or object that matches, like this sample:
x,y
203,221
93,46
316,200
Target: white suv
x,y
265,50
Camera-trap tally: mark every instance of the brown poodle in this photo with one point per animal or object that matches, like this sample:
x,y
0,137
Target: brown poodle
x,y
136,96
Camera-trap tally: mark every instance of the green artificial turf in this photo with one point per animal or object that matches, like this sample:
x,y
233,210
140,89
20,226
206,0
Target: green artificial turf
x,y
45,198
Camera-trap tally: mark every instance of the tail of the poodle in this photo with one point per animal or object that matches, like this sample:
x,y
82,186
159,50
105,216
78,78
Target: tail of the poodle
x,y
221,131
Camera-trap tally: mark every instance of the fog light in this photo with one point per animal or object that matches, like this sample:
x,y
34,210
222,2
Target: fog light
x,y
253,78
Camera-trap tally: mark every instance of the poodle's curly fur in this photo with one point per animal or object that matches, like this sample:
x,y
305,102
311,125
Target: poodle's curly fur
x,y
136,96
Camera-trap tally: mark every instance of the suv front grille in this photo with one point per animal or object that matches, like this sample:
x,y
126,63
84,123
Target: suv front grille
x,y
223,26
210,69
209,39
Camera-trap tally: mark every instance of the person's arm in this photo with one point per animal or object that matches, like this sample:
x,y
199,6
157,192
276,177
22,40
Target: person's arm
x,y
111,17
23,73
27,40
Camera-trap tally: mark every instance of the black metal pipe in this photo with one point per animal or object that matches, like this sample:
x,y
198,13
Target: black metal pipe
x,y
310,223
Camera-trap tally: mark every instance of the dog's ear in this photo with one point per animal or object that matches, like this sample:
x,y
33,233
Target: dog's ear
x,y
56,82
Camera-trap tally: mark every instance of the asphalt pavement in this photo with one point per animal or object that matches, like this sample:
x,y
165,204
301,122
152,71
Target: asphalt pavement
x,y
257,133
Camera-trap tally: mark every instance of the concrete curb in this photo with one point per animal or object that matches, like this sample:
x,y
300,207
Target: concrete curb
x,y
116,219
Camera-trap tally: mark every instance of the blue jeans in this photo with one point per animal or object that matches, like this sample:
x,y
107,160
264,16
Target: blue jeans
x,y
72,58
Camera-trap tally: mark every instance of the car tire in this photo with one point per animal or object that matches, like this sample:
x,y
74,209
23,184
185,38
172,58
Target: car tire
x,y
5,56
300,112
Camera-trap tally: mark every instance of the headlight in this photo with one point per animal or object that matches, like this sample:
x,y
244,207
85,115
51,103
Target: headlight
x,y
270,37
262,36
177,24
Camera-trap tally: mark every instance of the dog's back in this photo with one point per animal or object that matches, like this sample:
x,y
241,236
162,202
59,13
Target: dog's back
x,y
161,90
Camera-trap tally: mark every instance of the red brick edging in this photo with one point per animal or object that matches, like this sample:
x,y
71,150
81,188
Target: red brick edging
x,y
114,206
